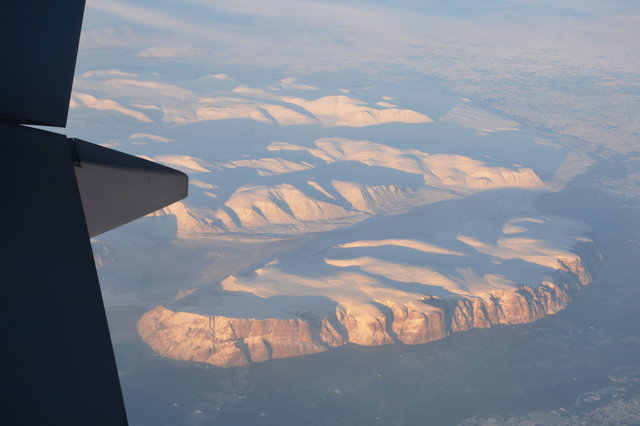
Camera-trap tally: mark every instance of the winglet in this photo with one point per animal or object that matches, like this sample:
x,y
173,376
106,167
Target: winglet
x,y
117,188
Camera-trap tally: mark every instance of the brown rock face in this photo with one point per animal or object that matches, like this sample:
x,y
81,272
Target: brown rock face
x,y
229,342
225,341
414,327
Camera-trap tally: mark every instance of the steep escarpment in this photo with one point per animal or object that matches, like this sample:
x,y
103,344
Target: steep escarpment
x,y
227,342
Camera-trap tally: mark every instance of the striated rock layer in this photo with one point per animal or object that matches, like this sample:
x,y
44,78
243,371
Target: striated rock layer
x,y
228,342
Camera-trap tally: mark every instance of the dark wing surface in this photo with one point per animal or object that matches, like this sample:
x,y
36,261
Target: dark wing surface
x,y
58,366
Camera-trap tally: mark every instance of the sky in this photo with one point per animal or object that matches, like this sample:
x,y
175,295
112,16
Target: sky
x,y
567,66
551,54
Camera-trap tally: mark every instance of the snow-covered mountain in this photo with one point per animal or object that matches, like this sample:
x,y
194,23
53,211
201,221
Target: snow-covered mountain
x,y
395,219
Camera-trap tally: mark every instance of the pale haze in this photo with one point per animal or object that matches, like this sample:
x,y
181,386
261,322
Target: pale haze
x,y
399,213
